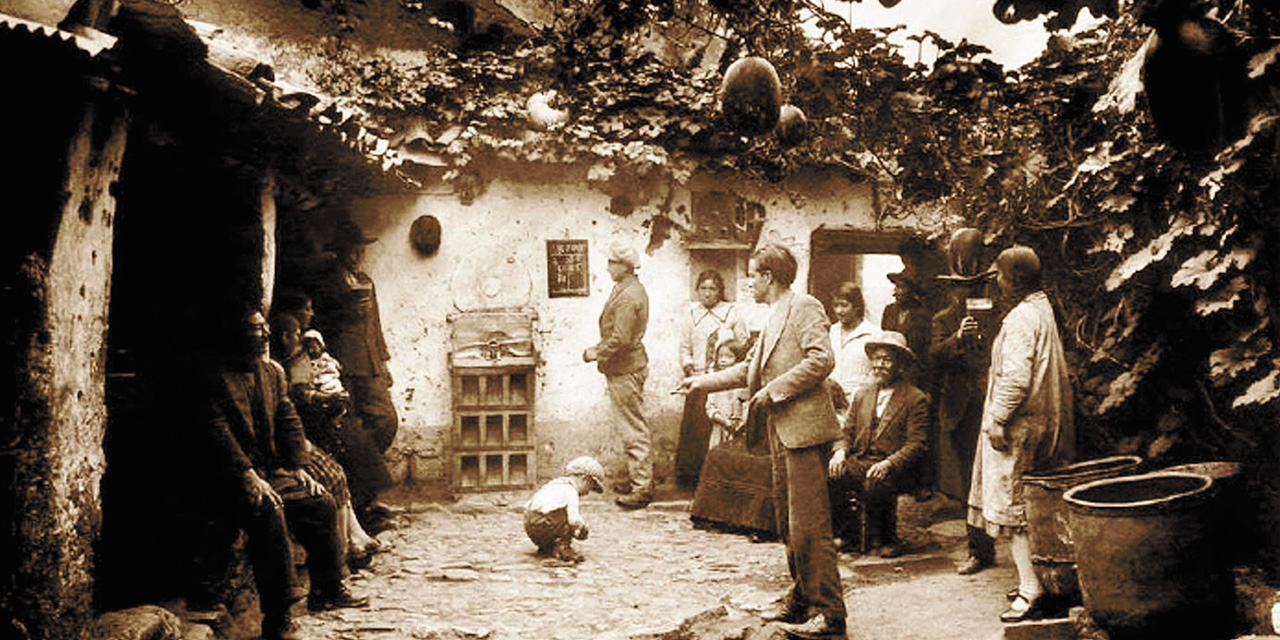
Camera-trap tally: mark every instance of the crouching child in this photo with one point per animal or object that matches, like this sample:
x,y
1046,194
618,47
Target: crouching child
x,y
552,518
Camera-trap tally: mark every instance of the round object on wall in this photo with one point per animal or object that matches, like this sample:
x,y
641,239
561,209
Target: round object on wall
x,y
425,234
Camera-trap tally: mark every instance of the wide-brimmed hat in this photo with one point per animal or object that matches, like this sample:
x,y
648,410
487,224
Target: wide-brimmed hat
x,y
904,279
964,257
893,340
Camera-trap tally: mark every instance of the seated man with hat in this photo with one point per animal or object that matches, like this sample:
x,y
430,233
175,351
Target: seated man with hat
x,y
885,434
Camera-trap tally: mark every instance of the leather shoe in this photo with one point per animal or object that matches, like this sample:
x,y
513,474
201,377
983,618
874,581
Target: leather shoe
x,y
338,598
635,500
280,628
819,627
787,612
972,565
1034,610
889,551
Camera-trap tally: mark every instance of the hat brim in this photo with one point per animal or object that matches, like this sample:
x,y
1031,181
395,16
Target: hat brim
x,y
985,275
897,348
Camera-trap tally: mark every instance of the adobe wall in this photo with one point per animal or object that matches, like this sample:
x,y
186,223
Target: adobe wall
x,y
493,255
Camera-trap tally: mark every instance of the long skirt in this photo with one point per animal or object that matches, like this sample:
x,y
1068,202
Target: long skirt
x,y
736,491
695,435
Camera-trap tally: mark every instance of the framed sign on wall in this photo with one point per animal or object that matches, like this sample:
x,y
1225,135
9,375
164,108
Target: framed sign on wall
x,y
567,268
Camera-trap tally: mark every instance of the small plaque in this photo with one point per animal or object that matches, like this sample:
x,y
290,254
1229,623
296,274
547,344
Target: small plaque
x,y
567,268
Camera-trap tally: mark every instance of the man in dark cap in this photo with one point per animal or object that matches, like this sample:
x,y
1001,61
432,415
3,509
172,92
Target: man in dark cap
x,y
253,438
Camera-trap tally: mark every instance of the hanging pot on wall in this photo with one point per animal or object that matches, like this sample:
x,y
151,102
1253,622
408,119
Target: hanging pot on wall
x,y
424,234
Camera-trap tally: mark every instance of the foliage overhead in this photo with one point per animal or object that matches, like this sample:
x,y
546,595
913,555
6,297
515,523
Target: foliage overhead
x,y
1162,263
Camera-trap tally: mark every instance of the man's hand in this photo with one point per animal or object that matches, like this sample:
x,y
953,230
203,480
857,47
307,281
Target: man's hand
x,y
759,402
968,328
590,355
260,492
309,484
998,440
878,471
687,385
835,466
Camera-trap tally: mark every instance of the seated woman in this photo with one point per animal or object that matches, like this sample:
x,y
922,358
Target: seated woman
x,y
735,492
885,436
357,543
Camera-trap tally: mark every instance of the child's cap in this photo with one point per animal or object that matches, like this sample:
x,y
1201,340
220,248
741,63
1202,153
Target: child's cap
x,y
312,334
587,467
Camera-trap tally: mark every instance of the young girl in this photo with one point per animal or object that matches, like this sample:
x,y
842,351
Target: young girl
x,y
724,408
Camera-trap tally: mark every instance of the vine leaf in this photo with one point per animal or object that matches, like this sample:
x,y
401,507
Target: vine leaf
x,y
1224,299
1228,363
1263,390
1204,270
1155,251
1126,384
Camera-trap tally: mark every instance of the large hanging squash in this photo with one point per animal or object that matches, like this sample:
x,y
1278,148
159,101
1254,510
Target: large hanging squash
x,y
751,96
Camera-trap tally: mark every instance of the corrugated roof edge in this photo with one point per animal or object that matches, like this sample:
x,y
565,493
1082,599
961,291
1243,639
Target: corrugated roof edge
x,y
90,41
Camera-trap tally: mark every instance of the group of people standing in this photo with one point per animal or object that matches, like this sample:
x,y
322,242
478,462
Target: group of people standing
x,y
843,415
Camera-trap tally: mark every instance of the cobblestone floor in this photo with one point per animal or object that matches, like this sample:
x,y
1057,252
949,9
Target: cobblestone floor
x,y
466,570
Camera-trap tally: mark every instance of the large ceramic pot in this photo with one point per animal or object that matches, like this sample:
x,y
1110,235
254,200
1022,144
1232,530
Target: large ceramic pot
x,y
1148,561
1047,518
1233,514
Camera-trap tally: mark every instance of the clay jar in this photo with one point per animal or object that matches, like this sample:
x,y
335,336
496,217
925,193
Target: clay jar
x,y
1149,564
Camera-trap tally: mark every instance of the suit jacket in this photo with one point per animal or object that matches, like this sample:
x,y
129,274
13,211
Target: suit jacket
x,y
236,441
790,361
900,435
960,370
622,325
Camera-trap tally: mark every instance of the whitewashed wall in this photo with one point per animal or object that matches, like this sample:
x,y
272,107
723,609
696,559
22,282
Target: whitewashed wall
x,y
493,254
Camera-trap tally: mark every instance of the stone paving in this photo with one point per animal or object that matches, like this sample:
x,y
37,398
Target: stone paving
x,y
466,570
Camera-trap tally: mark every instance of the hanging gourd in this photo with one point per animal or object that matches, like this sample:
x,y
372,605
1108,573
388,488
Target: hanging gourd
x,y
1193,77
792,125
751,96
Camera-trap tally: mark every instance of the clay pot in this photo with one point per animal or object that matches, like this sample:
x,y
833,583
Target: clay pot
x,y
1148,561
1051,543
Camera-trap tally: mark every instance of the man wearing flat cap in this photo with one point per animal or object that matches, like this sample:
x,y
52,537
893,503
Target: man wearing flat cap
x,y
621,357
885,436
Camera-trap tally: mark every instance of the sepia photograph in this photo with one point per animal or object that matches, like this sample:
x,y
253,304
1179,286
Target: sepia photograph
x,y
640,320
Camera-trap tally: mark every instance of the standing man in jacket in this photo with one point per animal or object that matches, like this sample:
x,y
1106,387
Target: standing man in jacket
x,y
621,357
784,378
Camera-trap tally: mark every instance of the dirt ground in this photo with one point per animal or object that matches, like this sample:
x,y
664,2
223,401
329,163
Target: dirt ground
x,y
466,570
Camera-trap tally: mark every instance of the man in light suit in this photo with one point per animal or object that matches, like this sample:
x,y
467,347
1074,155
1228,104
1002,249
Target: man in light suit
x,y
784,377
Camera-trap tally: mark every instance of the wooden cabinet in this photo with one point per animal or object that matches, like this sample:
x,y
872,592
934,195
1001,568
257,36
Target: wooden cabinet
x,y
493,377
